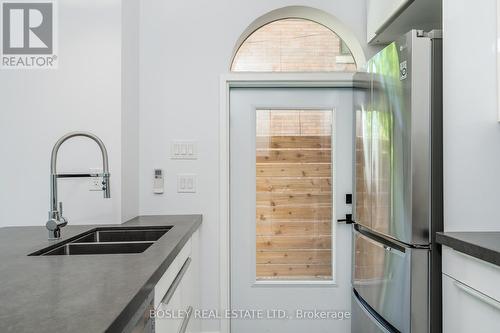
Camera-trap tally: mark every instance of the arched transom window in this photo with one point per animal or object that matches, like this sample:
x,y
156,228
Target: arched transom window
x,y
293,45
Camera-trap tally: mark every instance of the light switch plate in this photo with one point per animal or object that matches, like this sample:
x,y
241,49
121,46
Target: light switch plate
x,y
183,150
186,183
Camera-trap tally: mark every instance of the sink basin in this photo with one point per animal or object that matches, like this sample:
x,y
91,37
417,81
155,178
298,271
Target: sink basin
x,y
99,248
123,235
107,241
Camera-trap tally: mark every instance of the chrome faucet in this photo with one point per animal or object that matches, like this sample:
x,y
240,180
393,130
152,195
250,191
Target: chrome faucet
x,y
56,220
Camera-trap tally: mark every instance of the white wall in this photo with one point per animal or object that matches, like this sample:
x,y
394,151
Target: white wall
x,y
130,109
85,93
39,106
185,46
471,130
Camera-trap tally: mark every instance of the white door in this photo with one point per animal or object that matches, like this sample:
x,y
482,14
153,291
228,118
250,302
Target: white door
x,y
290,168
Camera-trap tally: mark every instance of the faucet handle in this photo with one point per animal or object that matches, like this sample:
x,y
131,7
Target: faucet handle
x,y
106,186
62,219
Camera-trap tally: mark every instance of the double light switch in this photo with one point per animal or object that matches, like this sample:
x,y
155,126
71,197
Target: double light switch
x,y
186,183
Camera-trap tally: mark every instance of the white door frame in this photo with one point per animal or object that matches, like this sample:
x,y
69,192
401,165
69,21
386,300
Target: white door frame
x,y
252,80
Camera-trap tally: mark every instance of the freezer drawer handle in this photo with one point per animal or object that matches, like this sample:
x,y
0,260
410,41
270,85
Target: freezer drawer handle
x,y
390,246
476,294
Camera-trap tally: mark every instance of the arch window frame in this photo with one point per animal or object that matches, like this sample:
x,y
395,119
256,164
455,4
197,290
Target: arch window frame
x,y
305,13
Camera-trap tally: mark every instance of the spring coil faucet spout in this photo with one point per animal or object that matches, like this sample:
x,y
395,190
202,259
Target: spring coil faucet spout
x,y
56,220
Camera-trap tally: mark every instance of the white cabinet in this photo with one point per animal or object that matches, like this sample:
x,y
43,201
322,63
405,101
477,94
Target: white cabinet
x,y
380,12
471,301
190,288
466,310
387,20
165,323
177,292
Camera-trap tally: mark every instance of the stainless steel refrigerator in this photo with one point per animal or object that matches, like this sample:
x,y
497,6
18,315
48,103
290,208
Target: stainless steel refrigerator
x,y
396,274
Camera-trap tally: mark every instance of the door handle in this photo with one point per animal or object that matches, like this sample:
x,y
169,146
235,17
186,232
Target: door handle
x,y
185,322
347,220
478,295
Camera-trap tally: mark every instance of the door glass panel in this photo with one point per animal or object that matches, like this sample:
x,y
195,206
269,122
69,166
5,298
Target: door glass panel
x,y
294,194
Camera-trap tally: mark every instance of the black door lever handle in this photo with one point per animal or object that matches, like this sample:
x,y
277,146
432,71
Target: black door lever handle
x,y
347,220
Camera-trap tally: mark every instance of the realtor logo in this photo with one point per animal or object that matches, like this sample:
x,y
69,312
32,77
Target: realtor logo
x,y
28,31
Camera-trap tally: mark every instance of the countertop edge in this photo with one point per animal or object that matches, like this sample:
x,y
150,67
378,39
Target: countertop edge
x,y
474,250
123,319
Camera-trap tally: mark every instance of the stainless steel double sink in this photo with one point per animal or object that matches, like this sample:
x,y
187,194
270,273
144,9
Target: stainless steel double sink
x,y
107,241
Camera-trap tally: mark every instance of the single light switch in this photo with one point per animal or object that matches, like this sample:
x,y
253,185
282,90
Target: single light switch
x,y
186,183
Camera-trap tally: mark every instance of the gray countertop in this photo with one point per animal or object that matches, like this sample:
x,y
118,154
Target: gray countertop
x,y
84,293
481,245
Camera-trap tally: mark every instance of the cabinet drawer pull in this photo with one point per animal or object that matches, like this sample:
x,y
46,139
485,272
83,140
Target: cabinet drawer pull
x,y
170,292
185,322
479,295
